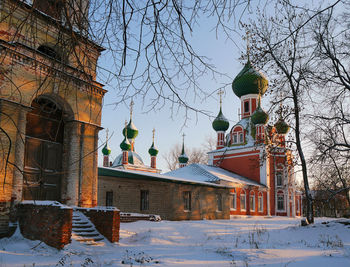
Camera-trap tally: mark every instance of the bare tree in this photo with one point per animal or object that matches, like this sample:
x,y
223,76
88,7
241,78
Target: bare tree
x,y
280,45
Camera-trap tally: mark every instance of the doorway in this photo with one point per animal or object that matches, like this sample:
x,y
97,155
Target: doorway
x,y
43,151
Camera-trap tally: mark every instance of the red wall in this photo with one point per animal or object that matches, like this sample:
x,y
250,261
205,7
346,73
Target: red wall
x,y
248,165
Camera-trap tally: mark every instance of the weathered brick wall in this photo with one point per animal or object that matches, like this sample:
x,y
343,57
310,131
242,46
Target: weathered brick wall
x,y
106,221
51,224
165,198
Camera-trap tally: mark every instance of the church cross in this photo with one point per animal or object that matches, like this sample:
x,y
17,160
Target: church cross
x,y
153,131
131,108
248,45
107,135
220,93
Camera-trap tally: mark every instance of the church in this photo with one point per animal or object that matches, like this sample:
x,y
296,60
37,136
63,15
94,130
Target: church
x,y
251,162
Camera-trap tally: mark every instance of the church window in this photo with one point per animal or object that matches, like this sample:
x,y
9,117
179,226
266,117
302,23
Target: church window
x,y
48,51
187,200
233,201
280,201
219,202
252,201
235,138
260,202
242,200
109,198
144,205
279,178
241,140
246,106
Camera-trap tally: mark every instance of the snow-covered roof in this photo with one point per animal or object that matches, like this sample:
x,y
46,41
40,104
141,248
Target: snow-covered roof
x,y
207,173
132,174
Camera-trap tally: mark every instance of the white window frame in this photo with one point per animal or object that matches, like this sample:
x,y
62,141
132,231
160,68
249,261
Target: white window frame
x,y
260,202
279,175
243,193
233,201
252,196
278,201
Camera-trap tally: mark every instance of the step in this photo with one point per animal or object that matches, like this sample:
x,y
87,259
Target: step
x,y
80,230
81,222
90,235
89,239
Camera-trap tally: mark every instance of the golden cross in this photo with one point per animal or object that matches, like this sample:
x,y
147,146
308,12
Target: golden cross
x,y
248,47
107,135
183,138
131,108
153,131
220,93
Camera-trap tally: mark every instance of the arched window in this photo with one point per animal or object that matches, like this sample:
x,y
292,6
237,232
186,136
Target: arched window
x,y
237,135
252,201
50,52
243,200
260,202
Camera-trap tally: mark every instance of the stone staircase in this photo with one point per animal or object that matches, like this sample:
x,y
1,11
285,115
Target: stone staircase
x,y
84,231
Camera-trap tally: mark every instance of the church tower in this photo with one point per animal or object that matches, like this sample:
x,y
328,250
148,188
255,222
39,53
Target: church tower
x,y
52,103
220,125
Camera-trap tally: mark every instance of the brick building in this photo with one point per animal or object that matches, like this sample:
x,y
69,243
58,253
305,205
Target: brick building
x,y
50,105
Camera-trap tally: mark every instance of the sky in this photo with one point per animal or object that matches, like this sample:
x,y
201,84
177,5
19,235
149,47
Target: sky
x,y
224,56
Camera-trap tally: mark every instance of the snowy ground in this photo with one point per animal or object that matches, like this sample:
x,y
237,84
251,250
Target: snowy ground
x,y
238,242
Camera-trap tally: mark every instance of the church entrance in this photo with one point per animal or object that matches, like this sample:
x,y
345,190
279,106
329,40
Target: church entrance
x,y
43,151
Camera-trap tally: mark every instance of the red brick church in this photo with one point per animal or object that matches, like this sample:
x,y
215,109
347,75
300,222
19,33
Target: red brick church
x,y
252,157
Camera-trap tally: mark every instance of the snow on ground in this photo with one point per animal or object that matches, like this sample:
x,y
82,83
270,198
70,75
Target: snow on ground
x,y
252,241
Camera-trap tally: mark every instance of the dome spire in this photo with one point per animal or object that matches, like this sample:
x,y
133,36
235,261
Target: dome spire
x,y
106,150
183,159
153,151
220,123
125,144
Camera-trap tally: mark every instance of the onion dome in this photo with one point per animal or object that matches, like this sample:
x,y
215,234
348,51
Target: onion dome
x,y
259,116
281,126
183,157
153,151
130,130
220,123
125,145
106,150
249,81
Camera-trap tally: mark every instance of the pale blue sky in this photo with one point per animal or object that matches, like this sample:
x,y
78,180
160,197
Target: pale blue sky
x,y
225,56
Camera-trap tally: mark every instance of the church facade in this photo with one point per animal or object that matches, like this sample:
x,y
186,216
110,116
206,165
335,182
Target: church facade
x,y
257,151
251,163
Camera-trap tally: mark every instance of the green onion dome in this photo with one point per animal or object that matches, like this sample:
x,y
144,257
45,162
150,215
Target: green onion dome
x,y
125,145
131,130
249,81
106,150
220,123
281,126
259,116
153,151
183,157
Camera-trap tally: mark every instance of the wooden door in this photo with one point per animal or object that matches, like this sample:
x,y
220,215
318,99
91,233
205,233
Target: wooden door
x,y
43,151
42,170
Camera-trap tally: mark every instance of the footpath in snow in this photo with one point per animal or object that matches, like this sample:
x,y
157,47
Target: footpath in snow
x,y
237,242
